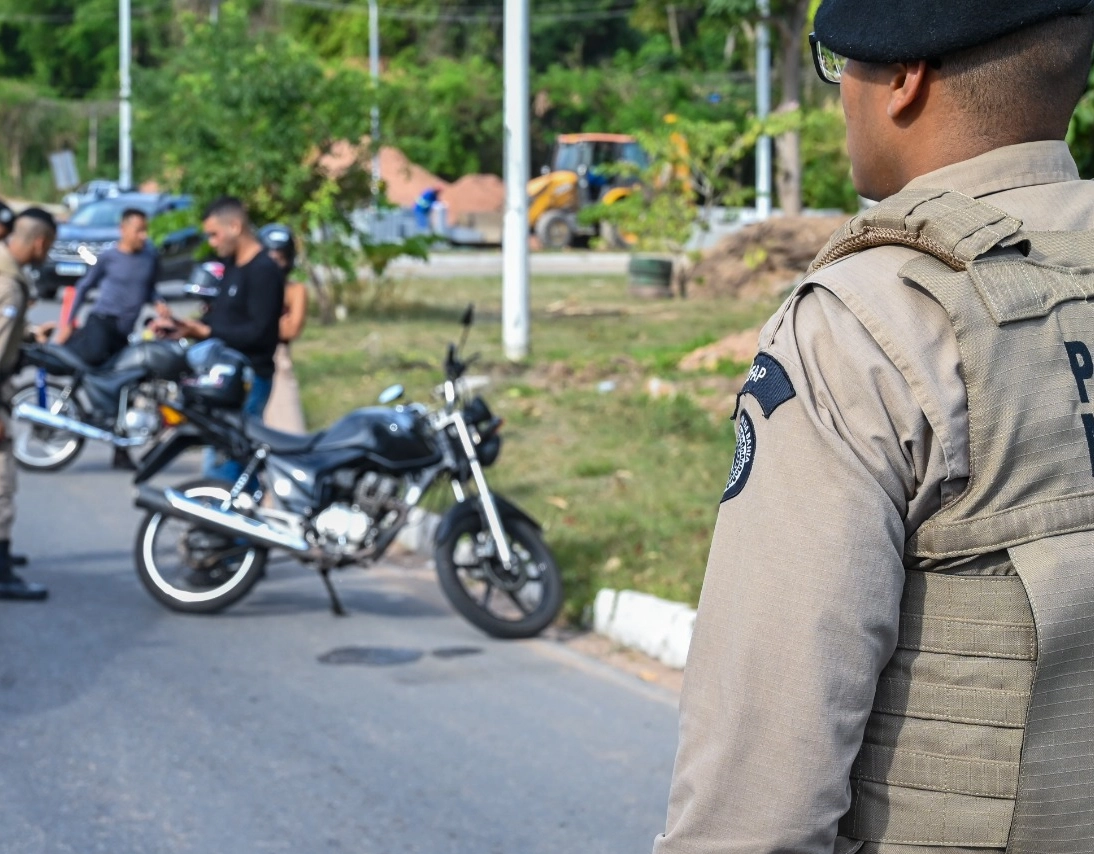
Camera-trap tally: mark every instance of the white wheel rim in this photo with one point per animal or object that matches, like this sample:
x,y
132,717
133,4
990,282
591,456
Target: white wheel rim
x,y
24,433
191,596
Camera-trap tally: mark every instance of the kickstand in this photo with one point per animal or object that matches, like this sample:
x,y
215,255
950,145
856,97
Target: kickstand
x,y
335,603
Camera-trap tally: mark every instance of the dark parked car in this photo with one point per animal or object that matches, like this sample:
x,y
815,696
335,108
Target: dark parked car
x,y
96,226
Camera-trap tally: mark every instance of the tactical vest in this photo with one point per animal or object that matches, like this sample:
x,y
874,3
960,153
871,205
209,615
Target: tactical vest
x,y
15,299
982,729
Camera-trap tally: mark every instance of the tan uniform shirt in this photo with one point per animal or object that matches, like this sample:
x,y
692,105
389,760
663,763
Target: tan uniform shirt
x,y
14,295
799,609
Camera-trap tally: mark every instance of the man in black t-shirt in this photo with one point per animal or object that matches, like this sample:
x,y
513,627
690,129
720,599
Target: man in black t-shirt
x,y
246,313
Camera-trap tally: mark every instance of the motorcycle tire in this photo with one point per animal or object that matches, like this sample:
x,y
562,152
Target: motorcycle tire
x,y
28,439
207,589
491,580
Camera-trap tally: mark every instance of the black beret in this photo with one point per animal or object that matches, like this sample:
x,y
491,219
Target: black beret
x,y
870,31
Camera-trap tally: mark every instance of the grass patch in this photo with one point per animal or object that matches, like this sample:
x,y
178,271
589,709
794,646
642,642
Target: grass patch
x,y
625,484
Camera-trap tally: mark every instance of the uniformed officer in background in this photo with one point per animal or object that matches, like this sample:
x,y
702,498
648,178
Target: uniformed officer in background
x,y
894,651
32,234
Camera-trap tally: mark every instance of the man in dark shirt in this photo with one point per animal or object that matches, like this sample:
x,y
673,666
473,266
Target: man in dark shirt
x,y
126,277
246,313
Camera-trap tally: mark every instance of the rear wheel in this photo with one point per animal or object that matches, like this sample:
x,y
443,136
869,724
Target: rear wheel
x,y
40,448
506,604
554,230
190,569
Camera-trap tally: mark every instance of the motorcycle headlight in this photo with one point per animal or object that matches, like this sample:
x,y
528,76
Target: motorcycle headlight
x,y
476,411
489,449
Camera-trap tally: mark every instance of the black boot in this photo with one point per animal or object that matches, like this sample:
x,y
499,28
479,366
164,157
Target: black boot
x,y
11,585
122,460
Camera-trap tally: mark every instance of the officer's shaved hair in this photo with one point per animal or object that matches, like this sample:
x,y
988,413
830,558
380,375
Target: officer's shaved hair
x,y
1023,86
33,223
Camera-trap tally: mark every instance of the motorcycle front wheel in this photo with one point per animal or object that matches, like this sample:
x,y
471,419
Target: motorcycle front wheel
x,y
39,448
504,604
191,569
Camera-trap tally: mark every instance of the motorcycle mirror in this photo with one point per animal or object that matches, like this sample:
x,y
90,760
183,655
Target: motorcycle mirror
x,y
391,394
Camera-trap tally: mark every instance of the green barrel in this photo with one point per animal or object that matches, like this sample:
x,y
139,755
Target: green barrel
x,y
650,278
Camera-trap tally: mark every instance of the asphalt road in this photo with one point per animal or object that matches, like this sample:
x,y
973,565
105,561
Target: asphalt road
x,y
128,728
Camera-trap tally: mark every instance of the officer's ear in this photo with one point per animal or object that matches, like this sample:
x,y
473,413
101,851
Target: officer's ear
x,y
907,89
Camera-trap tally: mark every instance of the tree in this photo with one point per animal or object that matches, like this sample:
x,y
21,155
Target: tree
x,y
789,19
259,117
690,172
71,46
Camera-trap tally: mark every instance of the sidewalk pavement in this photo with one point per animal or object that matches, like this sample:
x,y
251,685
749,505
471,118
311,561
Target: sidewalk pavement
x,y
284,411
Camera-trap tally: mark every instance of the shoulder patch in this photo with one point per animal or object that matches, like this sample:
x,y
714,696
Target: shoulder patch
x,y
768,383
10,311
742,458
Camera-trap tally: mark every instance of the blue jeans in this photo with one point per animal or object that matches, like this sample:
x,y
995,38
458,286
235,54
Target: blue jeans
x,y
230,470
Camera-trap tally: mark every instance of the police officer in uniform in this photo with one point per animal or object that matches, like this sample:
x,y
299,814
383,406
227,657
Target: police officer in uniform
x,y
894,651
32,234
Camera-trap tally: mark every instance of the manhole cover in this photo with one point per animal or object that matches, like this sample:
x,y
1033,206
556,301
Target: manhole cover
x,y
373,656
456,651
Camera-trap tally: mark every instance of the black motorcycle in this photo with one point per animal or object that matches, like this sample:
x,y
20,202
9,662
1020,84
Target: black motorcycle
x,y
338,498
68,401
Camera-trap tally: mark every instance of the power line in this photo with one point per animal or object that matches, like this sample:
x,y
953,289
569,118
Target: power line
x,y
465,14
23,18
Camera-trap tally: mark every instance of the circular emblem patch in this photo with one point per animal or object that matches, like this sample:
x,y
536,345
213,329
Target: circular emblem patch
x,y
742,458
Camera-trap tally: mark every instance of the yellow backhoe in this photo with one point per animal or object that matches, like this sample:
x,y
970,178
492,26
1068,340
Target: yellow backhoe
x,y
576,179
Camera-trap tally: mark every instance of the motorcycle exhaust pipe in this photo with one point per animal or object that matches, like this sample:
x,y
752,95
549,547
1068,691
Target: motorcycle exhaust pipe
x,y
171,502
42,416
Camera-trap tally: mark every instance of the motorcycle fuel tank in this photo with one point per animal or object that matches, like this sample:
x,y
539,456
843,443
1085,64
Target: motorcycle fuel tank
x,y
396,436
161,359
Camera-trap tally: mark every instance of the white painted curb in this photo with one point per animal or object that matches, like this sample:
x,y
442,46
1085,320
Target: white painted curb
x,y
659,628
418,533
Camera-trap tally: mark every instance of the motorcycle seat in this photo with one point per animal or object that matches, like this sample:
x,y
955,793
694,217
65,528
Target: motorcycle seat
x,y
277,441
56,359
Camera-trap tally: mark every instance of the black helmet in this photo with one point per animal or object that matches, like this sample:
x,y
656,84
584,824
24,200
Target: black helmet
x,y
279,237
205,280
221,377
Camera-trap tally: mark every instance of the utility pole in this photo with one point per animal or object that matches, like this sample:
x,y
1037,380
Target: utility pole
x,y
125,115
93,141
374,68
763,110
515,314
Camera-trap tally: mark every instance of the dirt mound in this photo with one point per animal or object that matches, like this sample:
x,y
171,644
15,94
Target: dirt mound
x,y
474,194
740,347
405,180
764,258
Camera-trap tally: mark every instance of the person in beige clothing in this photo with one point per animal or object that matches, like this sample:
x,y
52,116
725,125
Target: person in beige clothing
x,y
32,234
893,651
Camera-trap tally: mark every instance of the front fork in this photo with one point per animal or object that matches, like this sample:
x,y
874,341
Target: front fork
x,y
493,519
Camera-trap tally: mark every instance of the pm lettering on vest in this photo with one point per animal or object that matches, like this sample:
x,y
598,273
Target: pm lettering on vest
x,y
1082,366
